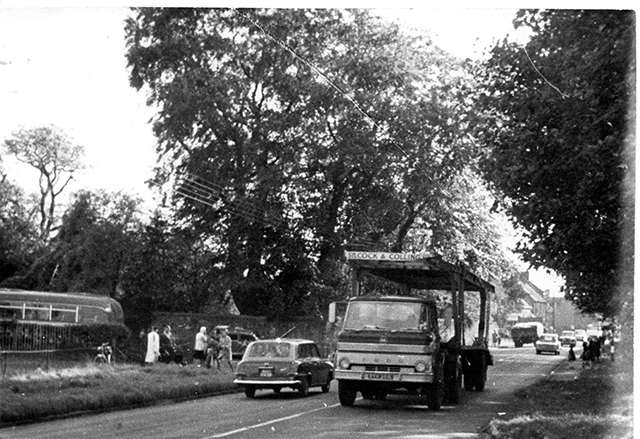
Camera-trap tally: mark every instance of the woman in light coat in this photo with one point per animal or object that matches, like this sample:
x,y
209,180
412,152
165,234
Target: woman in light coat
x,y
153,346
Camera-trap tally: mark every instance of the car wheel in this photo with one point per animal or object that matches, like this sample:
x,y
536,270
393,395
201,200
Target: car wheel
x,y
250,392
303,388
325,387
346,393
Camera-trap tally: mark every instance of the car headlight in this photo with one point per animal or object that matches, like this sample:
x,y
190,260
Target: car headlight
x,y
344,363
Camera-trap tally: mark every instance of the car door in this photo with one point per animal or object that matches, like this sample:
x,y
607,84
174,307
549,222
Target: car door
x,y
319,366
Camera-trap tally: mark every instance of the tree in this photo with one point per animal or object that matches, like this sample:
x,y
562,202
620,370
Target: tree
x,y
558,134
18,234
301,129
56,157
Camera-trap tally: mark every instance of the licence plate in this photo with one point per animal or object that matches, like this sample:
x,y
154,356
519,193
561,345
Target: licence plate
x,y
266,373
374,376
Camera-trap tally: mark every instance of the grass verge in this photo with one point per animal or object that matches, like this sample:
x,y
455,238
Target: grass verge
x,y
572,403
39,395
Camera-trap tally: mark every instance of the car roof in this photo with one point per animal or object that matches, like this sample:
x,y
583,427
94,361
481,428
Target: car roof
x,y
284,340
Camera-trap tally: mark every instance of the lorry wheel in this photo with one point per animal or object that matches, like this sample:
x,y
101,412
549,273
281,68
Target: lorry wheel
x,y
481,374
469,380
346,393
453,379
435,395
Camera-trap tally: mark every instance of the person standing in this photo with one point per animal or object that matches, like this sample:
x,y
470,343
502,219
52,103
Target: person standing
x,y
153,347
224,345
200,346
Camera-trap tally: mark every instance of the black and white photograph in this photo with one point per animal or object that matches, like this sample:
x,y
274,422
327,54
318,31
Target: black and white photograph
x,y
406,220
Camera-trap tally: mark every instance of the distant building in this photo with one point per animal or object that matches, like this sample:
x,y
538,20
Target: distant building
x,y
532,306
565,316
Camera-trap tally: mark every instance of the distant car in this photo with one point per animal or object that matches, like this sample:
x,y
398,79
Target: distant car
x,y
568,338
548,343
581,335
240,338
283,363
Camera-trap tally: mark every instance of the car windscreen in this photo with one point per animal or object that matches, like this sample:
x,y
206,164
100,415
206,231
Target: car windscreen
x,y
268,350
548,338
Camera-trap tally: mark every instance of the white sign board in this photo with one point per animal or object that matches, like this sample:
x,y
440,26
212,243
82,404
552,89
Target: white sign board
x,y
386,256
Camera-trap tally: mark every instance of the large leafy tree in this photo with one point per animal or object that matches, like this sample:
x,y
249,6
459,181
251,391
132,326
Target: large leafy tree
x,y
559,138
56,157
18,232
294,132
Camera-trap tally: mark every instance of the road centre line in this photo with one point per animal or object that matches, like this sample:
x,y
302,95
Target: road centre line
x,y
273,421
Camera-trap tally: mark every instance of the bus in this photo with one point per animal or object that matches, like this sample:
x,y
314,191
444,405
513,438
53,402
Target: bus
x,y
37,321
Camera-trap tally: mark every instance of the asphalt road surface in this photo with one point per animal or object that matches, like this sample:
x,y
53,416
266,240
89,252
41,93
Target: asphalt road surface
x,y
287,415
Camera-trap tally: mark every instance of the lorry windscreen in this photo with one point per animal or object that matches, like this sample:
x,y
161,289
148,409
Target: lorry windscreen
x,y
386,315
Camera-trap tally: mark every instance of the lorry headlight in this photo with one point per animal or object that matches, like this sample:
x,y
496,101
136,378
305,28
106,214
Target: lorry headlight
x,y
344,363
421,367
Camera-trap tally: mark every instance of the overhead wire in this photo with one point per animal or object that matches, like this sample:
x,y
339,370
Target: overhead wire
x,y
328,81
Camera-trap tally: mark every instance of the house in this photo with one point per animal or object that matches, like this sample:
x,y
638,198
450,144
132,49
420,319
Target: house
x,y
531,305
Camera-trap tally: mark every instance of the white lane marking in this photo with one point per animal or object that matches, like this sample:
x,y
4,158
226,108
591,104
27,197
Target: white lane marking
x,y
273,421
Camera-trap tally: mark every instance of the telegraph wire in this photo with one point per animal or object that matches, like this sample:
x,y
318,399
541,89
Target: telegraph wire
x,y
325,79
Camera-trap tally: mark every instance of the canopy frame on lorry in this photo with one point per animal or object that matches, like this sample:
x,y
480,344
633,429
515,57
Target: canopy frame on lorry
x,y
425,272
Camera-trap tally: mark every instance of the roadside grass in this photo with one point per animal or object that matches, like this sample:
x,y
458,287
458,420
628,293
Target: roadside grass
x,y
38,395
575,403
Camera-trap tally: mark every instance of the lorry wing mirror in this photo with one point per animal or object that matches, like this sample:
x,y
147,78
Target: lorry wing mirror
x,y
447,315
332,312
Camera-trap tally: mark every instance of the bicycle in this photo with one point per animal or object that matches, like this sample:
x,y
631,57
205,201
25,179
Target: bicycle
x,y
105,354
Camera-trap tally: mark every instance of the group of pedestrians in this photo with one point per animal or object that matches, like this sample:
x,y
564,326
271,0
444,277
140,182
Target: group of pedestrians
x,y
591,352
209,350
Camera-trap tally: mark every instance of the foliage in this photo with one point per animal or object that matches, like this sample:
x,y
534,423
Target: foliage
x,y
558,129
294,132
55,156
18,234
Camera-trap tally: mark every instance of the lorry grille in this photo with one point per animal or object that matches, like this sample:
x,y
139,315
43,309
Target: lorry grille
x,y
382,368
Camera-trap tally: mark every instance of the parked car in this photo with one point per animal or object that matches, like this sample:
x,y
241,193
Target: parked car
x,y
568,338
283,363
240,338
581,335
548,343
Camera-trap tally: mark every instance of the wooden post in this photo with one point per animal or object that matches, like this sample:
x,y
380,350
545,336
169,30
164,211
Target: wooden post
x,y
483,316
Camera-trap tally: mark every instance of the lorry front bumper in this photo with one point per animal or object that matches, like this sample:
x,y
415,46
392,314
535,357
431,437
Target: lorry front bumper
x,y
395,377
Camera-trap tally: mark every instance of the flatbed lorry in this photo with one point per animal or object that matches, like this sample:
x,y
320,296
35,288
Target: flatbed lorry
x,y
392,344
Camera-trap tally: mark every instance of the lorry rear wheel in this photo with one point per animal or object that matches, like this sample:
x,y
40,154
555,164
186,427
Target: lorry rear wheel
x,y
469,380
346,393
481,374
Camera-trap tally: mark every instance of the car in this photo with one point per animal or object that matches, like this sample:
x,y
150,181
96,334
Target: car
x,y
581,335
548,343
283,363
240,338
568,338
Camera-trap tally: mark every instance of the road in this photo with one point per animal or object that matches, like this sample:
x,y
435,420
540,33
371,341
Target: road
x,y
319,416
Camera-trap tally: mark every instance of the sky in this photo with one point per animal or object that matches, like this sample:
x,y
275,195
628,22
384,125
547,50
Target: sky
x,y
66,66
